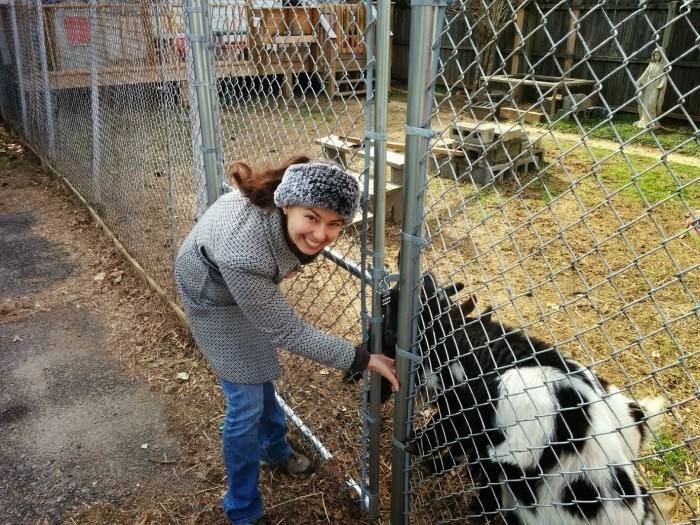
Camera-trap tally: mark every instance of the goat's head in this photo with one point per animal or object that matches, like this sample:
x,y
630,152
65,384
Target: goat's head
x,y
436,307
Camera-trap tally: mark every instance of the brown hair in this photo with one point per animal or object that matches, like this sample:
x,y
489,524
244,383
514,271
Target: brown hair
x,y
259,186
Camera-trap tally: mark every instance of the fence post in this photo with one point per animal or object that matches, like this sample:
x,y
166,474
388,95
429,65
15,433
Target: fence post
x,y
20,68
48,106
427,18
380,92
94,103
201,89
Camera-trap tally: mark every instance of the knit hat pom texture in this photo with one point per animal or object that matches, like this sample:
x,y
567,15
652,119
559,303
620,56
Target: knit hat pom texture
x,y
321,185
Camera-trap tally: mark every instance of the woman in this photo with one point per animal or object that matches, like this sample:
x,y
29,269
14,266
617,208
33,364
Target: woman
x,y
652,89
228,272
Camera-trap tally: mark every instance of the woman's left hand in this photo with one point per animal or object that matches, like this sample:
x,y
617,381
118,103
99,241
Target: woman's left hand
x,y
386,367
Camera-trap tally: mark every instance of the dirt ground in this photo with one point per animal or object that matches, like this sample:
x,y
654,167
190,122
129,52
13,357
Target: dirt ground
x,y
108,414
96,367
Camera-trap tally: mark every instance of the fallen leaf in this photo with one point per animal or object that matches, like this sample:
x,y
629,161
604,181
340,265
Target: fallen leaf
x,y
184,376
100,276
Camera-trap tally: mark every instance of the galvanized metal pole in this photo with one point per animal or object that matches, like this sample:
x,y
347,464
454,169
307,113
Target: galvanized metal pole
x,y
19,65
95,102
168,141
204,86
369,445
379,136
48,105
427,19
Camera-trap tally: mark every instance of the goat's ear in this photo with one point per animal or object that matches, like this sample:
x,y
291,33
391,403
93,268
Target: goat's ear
x,y
429,285
453,289
464,309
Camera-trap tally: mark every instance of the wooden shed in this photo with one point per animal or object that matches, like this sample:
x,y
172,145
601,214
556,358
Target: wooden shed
x,y
144,43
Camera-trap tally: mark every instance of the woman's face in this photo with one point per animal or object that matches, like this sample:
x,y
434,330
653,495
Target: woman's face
x,y
656,55
311,229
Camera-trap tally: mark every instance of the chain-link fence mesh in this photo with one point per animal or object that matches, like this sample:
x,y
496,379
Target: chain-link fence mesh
x,y
114,97
542,194
563,191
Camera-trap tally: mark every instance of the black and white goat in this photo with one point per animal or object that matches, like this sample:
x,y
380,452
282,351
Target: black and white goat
x,y
544,439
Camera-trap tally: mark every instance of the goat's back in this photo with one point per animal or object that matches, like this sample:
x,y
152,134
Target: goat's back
x,y
563,441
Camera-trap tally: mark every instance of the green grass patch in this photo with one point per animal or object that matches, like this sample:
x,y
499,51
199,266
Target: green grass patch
x,y
622,129
644,181
641,178
664,469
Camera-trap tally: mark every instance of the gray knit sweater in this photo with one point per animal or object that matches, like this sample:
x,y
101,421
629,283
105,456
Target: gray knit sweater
x,y
228,272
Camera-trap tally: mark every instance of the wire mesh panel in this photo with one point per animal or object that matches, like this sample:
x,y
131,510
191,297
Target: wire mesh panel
x,y
294,79
10,107
131,100
562,190
96,93
290,77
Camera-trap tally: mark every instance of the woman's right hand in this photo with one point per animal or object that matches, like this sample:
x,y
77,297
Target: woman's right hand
x,y
386,367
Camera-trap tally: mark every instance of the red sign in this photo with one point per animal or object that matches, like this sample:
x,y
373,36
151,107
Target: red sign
x,y
77,29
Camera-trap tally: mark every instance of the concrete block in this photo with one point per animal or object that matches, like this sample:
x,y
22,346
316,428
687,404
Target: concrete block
x,y
483,110
580,100
598,112
474,133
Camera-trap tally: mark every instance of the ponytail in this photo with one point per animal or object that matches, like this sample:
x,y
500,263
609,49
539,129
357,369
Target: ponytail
x,y
259,186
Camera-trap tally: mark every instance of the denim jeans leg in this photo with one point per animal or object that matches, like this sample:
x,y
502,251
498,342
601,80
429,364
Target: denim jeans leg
x,y
273,429
244,409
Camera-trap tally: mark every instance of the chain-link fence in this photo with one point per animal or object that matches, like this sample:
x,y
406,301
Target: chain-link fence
x,y
141,105
540,153
561,188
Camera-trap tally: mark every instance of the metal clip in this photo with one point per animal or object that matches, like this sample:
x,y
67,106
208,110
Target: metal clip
x,y
420,132
420,241
408,355
376,135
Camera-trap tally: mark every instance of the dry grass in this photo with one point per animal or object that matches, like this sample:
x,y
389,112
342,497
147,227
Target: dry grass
x,y
565,252
578,261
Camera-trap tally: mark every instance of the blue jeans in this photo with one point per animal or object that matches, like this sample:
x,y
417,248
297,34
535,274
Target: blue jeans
x,y
254,430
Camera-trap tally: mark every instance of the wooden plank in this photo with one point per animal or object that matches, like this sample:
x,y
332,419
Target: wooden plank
x,y
486,133
389,144
149,37
289,39
668,30
447,148
393,159
571,40
515,64
336,143
76,78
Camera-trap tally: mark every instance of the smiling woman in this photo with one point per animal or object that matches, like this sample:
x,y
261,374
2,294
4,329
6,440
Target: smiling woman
x,y
311,229
228,272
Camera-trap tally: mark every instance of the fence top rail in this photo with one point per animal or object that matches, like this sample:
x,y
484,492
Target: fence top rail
x,y
80,5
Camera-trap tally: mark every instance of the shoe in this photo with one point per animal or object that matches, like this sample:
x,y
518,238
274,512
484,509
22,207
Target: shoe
x,y
294,465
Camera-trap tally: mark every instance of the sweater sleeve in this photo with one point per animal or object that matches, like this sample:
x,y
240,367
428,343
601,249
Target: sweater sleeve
x,y
265,307
361,360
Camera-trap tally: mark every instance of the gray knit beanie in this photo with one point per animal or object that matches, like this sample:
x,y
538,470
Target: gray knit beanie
x,y
320,184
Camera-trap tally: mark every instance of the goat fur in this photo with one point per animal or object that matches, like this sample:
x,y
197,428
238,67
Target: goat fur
x,y
543,438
